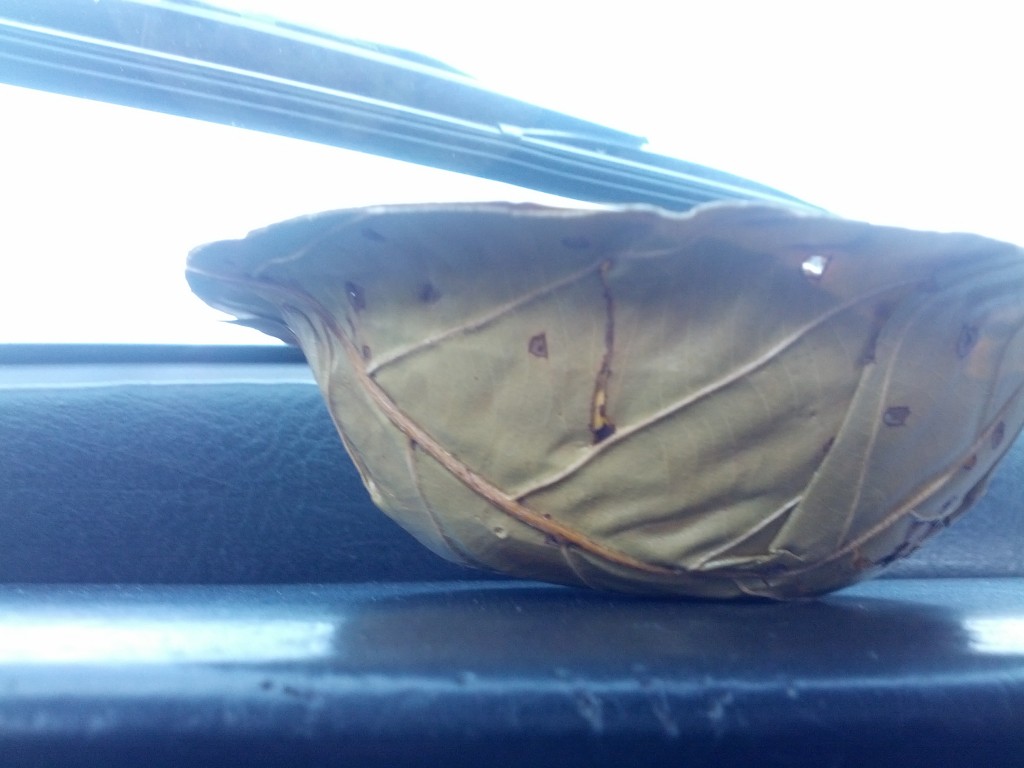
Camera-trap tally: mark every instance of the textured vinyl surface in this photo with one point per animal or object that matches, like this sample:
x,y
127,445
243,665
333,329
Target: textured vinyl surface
x,y
200,479
221,481
236,475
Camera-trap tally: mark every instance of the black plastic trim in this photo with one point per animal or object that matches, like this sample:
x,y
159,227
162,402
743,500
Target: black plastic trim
x,y
892,673
75,354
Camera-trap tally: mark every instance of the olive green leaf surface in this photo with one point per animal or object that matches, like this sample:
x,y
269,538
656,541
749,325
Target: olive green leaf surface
x,y
736,400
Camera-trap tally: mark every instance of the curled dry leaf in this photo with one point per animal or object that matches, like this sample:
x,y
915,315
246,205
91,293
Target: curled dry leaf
x,y
737,400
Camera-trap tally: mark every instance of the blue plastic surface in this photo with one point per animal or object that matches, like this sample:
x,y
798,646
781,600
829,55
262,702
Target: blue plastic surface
x,y
893,672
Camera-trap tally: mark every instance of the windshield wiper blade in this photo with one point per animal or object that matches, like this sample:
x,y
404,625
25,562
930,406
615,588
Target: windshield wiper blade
x,y
198,61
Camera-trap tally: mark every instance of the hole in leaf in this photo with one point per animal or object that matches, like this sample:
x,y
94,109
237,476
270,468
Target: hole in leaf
x,y
814,266
356,297
538,345
896,416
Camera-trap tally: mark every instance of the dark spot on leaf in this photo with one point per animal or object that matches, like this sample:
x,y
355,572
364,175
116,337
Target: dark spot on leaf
x,y
266,685
576,243
372,234
896,416
356,297
538,345
428,294
882,314
601,424
998,434
966,341
971,461
366,352
828,445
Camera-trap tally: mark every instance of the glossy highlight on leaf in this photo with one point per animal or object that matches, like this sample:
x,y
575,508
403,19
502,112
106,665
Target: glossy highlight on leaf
x,y
738,400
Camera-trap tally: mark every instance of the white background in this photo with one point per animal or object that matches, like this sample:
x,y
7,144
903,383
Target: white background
x,y
900,113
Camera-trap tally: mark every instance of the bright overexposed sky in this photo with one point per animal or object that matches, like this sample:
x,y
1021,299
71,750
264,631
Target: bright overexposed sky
x,y
903,113
895,111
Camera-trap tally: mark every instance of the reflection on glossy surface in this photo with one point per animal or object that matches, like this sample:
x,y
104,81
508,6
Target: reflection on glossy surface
x,y
177,640
503,629
516,631
891,672
1000,635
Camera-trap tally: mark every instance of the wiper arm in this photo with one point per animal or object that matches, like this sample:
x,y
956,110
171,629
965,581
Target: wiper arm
x,y
198,61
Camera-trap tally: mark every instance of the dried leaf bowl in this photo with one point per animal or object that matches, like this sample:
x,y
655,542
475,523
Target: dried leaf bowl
x,y
738,400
